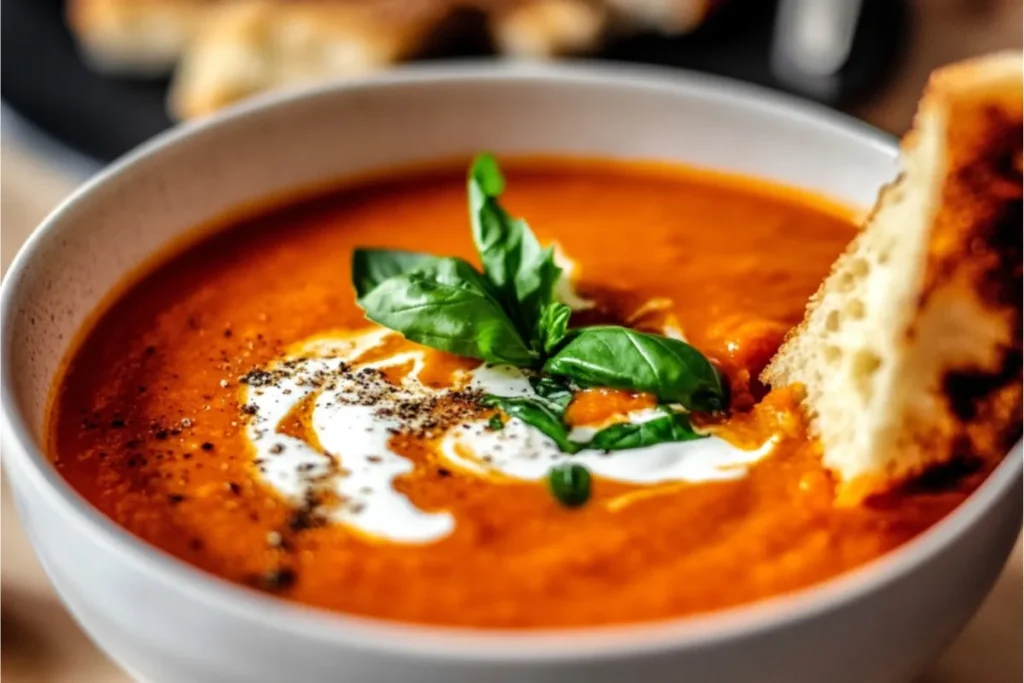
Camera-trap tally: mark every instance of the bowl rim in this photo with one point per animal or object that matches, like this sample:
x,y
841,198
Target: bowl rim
x,y
461,643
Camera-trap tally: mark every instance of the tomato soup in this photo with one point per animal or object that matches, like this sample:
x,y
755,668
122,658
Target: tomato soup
x,y
236,409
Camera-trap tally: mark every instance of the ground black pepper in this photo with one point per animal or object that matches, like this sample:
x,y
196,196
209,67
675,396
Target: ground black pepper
x,y
279,578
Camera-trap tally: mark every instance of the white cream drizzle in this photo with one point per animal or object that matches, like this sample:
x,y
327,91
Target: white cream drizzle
x,y
357,465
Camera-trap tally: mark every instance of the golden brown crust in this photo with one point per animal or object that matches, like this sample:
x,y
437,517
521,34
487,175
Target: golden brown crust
x,y
981,216
977,243
940,377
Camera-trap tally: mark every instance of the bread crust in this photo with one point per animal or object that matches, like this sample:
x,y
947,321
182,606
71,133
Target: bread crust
x,y
950,355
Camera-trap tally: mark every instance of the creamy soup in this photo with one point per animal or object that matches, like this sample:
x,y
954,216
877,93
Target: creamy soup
x,y
236,409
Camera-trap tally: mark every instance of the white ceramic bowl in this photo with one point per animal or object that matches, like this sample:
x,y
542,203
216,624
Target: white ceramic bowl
x,y
165,621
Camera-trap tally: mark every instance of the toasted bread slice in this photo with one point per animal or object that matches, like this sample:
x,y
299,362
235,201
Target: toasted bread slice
x,y
910,353
244,48
138,37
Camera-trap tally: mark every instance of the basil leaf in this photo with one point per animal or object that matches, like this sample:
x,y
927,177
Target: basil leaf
x,y
538,414
669,428
447,305
523,273
622,358
569,483
370,267
485,173
557,392
554,325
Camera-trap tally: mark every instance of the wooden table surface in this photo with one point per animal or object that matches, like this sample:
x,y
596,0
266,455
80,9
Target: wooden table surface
x,y
42,644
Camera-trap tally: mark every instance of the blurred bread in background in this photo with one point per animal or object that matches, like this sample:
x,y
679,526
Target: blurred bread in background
x,y
547,28
670,17
139,37
222,51
245,48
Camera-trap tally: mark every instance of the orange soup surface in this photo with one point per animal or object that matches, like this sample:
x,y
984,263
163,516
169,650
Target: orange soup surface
x,y
182,401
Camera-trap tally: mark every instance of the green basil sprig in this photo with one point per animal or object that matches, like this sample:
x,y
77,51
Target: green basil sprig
x,y
371,267
555,391
540,415
446,304
621,358
509,314
554,326
523,273
546,412
670,428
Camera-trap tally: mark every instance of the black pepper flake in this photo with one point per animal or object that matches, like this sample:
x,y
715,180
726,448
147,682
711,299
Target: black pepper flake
x,y
207,446
374,459
150,350
160,434
234,487
117,423
257,378
227,333
444,472
175,498
278,579
277,449
301,519
250,408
